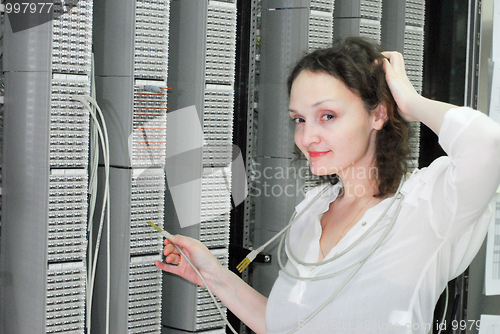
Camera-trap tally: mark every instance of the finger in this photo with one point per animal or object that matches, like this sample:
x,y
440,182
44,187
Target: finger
x,y
391,54
389,70
169,249
168,267
173,259
395,59
183,242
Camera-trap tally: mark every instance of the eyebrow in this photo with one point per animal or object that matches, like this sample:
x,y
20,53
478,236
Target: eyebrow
x,y
314,105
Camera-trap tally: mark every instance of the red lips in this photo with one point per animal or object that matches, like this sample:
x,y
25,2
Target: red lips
x,y
316,154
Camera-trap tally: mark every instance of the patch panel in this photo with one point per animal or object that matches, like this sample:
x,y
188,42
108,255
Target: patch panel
x,y
403,31
149,127
358,18
320,28
69,122
151,39
65,306
145,279
209,85
147,197
370,29
214,233
218,125
220,45
72,40
415,13
322,5
144,301
371,9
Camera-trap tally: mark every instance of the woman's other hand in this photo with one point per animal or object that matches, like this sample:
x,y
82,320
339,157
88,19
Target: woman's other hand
x,y
199,254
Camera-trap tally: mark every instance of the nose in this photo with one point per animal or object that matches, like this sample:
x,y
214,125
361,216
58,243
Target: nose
x,y
310,134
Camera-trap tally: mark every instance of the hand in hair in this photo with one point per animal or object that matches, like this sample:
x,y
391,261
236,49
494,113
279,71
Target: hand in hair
x,y
411,105
401,88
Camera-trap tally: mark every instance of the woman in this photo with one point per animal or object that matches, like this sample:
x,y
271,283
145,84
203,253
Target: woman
x,y
386,251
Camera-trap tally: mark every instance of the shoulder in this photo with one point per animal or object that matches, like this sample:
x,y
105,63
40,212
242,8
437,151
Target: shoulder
x,y
421,180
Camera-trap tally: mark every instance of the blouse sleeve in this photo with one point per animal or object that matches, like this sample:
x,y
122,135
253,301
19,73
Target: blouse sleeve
x,y
462,190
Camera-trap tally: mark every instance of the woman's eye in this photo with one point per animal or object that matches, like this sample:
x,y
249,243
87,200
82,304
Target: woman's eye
x,y
298,120
328,117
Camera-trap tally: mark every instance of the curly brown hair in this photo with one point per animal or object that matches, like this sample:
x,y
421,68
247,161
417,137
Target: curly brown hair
x,y
358,63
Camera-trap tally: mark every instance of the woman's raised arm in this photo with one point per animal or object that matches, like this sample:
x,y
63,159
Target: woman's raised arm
x,y
412,106
462,190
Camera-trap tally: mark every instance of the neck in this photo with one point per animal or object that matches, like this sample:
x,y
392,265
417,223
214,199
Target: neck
x,y
359,180
357,188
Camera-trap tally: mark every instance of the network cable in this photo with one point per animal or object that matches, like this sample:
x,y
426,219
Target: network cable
x,y
357,265
103,136
93,168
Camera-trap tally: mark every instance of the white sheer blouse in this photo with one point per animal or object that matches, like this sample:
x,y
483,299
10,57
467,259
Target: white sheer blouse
x,y
442,223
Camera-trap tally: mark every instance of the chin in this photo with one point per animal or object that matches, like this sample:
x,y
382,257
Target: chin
x,y
321,171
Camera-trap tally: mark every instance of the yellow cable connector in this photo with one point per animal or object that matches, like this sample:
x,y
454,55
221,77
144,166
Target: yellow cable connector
x,y
246,261
162,231
243,264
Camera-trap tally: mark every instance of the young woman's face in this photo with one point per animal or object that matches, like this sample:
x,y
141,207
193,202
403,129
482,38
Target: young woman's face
x,y
332,127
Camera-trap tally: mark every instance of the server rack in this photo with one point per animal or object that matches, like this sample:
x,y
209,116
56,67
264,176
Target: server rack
x,y
403,30
44,222
201,74
358,18
242,216
131,44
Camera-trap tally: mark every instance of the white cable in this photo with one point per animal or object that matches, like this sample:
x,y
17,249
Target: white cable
x,y
253,254
106,194
355,243
93,265
105,149
358,263
93,168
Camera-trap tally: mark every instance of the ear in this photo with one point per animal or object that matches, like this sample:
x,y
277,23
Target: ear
x,y
379,116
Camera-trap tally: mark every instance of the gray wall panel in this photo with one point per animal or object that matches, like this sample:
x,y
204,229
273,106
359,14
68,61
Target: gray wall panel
x,y
30,49
187,59
347,8
279,189
25,176
114,40
283,42
117,106
393,25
